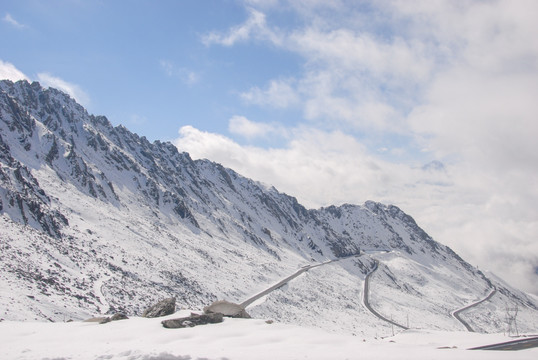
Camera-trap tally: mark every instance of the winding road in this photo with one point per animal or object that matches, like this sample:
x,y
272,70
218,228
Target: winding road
x,y
456,313
366,301
366,293
303,269
284,281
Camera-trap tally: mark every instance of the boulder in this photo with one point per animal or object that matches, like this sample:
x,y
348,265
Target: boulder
x,y
228,309
162,308
193,320
118,316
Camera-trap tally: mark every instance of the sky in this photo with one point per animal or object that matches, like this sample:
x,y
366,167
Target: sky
x,y
429,105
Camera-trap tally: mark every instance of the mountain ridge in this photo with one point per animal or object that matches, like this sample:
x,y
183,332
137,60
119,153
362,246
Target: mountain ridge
x,y
121,221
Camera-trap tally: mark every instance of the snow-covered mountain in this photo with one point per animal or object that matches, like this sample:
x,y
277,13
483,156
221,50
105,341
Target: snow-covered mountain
x,y
96,219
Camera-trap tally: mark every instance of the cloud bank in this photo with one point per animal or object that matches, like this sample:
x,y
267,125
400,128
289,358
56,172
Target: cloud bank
x,y
387,87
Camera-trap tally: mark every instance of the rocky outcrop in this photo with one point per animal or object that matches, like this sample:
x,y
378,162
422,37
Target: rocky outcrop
x,y
228,309
162,308
193,320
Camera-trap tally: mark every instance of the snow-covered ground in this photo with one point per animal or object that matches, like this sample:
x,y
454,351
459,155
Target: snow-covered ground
x,y
234,339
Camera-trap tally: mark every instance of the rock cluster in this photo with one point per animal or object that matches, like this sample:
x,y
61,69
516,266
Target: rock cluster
x,y
228,309
213,314
162,308
193,320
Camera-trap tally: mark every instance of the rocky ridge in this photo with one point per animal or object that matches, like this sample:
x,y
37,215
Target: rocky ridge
x,y
96,219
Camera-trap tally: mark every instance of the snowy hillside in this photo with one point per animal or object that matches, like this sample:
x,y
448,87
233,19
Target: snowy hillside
x,y
95,219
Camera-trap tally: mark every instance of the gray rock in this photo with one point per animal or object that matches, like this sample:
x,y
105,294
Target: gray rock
x,y
118,316
228,309
105,320
162,308
192,321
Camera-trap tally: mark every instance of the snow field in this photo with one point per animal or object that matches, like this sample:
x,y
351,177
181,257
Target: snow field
x,y
234,339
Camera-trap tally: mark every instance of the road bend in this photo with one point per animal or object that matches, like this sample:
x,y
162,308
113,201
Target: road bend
x,y
284,281
456,314
366,301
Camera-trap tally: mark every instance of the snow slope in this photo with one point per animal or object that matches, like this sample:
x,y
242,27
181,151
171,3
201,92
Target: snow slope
x,y
97,219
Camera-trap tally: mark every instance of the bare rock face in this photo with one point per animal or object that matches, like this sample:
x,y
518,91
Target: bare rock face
x,y
162,308
193,320
228,309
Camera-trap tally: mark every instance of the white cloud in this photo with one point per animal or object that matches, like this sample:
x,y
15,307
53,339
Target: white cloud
x,y
279,94
481,110
358,79
343,69
319,167
47,80
254,27
8,71
185,75
354,50
242,126
10,20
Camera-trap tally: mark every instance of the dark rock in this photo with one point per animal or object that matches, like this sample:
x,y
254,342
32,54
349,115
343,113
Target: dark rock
x,y
228,309
193,320
118,316
105,320
162,308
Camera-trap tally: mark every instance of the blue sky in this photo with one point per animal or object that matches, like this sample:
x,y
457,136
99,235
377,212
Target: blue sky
x,y
330,101
138,62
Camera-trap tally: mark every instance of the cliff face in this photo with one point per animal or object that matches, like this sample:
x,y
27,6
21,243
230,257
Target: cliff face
x,y
96,219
